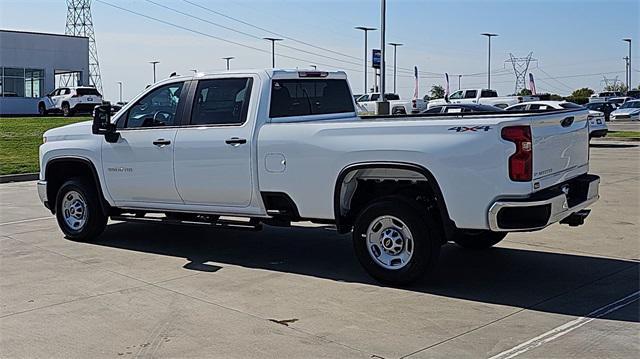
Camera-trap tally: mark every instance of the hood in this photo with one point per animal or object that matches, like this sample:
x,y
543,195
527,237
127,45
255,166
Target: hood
x,y
626,111
69,131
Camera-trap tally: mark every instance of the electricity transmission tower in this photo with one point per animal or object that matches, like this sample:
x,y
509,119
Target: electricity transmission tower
x,y
610,84
520,69
80,23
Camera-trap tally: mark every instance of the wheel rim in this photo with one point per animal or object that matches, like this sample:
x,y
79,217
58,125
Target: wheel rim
x,y
390,242
74,210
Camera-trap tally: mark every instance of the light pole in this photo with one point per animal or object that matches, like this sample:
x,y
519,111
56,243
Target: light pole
x,y
629,83
395,48
273,49
154,69
229,58
366,31
489,36
382,104
459,77
120,86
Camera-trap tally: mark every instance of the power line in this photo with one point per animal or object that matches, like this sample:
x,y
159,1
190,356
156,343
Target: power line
x,y
555,79
213,36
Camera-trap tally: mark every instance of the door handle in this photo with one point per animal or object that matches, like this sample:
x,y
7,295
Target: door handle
x,y
161,142
235,141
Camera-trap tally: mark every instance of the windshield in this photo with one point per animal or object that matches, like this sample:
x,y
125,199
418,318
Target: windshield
x,y
631,104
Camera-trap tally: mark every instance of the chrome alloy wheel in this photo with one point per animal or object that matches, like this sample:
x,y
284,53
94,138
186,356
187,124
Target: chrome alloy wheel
x,y
390,242
74,208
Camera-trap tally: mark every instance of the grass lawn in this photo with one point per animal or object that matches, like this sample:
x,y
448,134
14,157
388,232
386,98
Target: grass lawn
x,y
20,138
624,134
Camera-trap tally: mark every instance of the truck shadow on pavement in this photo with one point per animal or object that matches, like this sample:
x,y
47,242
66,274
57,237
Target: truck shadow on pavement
x,y
514,277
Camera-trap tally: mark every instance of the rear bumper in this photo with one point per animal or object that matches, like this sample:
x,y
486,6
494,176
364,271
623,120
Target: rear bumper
x,y
546,207
598,133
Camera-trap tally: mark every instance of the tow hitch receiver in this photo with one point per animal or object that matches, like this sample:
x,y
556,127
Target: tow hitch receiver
x,y
577,218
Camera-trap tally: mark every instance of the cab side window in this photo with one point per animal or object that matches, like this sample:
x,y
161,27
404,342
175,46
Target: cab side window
x,y
157,109
470,94
221,102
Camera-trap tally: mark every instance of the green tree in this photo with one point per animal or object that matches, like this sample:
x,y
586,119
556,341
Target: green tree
x,y
524,92
583,92
437,91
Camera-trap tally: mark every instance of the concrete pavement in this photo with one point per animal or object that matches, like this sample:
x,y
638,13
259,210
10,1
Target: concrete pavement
x,y
157,291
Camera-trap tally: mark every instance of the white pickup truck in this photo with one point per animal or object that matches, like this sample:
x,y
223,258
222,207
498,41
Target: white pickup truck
x,y
366,104
281,146
483,97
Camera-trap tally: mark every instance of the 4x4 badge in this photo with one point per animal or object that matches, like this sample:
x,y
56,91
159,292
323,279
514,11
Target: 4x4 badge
x,y
472,129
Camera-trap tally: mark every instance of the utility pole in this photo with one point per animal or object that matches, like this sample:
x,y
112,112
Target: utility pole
x,y
154,69
395,47
459,77
627,69
366,31
629,83
382,104
228,58
80,23
273,49
489,36
120,85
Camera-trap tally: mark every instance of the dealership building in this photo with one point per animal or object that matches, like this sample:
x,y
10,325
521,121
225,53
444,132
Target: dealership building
x,y
31,64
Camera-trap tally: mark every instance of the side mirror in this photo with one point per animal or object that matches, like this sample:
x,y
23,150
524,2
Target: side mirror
x,y
102,123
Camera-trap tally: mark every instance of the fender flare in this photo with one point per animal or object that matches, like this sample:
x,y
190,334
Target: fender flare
x,y
447,223
96,179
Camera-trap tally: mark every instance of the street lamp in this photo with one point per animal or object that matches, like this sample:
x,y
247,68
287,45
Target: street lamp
x,y
366,31
154,69
382,105
273,49
489,36
395,47
229,58
629,83
120,85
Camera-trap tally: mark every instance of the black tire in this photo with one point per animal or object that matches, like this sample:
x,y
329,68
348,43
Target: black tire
x,y
42,109
66,110
426,239
478,239
96,219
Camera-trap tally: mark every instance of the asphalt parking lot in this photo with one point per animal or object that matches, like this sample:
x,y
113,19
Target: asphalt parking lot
x,y
159,291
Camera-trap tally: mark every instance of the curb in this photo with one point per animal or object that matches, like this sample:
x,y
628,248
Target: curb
x,y
19,177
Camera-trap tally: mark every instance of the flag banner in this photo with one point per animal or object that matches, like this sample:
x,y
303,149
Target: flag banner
x,y
446,90
415,75
532,84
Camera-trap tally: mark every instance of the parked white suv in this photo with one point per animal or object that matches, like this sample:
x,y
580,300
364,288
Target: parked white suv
x,y
70,100
481,97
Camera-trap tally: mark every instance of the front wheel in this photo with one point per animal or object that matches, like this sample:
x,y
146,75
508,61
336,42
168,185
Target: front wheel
x,y
78,211
42,110
478,239
396,240
66,110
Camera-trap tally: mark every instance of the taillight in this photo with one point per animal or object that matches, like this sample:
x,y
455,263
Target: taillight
x,y
521,162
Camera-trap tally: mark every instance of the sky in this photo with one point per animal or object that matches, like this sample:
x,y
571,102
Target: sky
x,y
575,42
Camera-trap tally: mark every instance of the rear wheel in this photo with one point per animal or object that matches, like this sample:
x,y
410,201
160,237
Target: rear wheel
x,y
396,240
42,110
478,239
78,210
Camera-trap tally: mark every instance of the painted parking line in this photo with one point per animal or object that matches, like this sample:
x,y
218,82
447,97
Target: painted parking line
x,y
566,328
26,220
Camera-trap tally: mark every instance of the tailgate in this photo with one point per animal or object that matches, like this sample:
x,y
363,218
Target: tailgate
x,y
560,147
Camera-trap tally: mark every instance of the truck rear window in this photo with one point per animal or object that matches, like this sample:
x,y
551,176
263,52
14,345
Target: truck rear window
x,y
309,97
87,92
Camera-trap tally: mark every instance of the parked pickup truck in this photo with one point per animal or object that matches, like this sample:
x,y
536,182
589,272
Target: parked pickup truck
x,y
367,104
483,97
280,146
